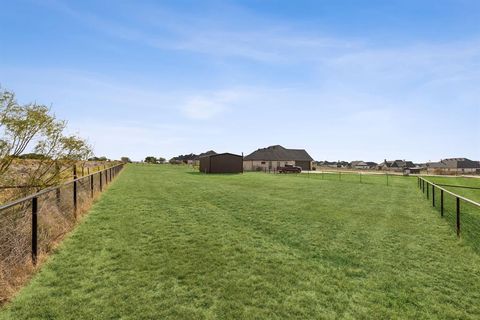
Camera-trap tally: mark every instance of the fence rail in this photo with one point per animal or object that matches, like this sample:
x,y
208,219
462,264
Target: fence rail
x,y
461,212
31,225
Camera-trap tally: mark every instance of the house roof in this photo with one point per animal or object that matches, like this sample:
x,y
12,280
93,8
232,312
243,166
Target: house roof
x,y
277,153
358,163
398,164
436,165
460,163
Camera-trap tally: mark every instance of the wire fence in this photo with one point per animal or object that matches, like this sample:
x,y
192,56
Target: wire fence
x,y
387,179
461,213
31,227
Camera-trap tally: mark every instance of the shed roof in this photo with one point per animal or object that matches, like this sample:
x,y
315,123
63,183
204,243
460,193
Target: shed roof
x,y
277,153
221,154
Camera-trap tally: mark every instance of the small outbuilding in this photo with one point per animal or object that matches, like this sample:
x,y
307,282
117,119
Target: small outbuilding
x,y
221,163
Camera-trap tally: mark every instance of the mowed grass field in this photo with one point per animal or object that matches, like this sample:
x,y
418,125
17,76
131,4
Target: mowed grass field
x,y
167,243
473,194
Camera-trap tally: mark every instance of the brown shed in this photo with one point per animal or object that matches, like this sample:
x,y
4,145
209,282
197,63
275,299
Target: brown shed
x,y
221,163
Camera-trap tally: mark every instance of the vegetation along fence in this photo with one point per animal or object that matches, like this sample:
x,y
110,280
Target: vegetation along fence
x,y
30,227
462,213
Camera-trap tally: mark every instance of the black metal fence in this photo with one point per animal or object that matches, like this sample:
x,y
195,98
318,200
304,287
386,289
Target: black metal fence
x,y
31,226
461,213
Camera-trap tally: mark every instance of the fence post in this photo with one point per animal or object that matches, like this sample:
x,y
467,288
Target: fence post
x,y
58,196
101,183
75,192
458,216
34,230
91,185
441,203
423,186
433,195
428,193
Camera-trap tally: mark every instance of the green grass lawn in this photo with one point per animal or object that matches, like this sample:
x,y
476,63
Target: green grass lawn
x,y
473,194
383,179
166,243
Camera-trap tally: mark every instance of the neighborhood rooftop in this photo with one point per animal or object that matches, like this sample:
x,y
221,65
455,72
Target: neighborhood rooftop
x,y
455,163
279,153
208,153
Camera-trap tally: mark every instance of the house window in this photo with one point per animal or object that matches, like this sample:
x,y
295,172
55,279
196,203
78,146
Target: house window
x,y
263,162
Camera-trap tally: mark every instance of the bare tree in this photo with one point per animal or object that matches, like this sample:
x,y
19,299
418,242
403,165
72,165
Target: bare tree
x,y
33,127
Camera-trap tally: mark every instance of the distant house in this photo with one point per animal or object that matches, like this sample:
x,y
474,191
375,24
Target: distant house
x,y
221,163
342,164
359,165
323,163
371,165
196,160
187,158
333,164
277,156
454,165
395,165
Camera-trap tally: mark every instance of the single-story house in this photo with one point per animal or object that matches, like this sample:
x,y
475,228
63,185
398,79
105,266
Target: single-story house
x,y
273,157
221,163
454,165
358,165
396,165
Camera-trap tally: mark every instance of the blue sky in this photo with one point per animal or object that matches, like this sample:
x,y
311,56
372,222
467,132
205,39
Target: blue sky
x,y
345,80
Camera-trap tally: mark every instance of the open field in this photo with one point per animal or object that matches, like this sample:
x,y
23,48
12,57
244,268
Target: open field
x,y
473,194
165,242
375,177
